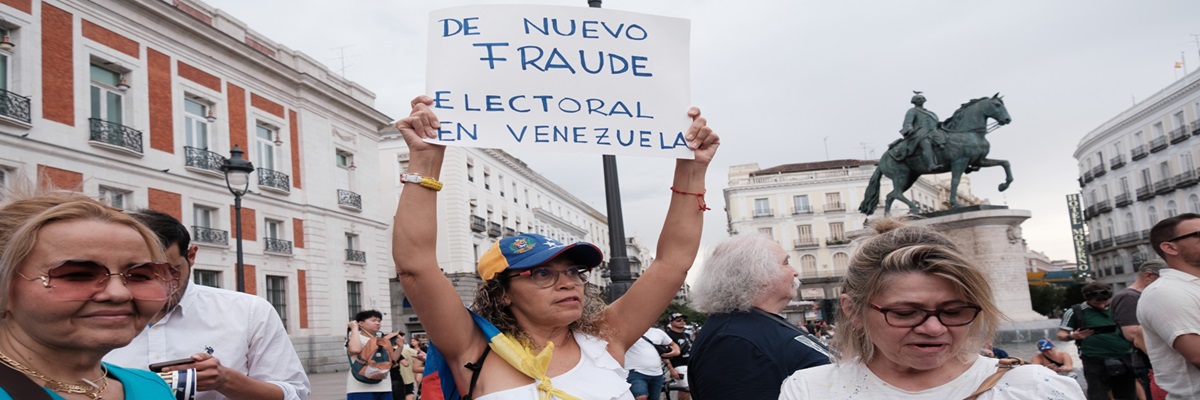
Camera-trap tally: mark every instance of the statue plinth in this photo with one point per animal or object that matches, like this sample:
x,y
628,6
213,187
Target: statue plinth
x,y
990,236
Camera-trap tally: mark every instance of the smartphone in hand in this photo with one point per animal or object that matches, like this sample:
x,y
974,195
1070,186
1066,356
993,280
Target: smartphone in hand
x,y
158,367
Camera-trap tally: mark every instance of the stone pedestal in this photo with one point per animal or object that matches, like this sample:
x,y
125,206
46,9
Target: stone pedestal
x,y
990,236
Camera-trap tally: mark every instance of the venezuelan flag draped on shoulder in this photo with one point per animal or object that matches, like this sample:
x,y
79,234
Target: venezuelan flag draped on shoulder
x,y
439,376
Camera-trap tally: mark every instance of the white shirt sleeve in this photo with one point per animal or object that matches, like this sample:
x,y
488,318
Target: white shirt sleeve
x,y
272,354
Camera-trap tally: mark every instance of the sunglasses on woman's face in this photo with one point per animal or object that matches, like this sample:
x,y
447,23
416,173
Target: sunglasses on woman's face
x,y
82,279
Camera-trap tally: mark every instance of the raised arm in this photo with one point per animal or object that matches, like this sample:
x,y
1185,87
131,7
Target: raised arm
x,y
678,243
414,244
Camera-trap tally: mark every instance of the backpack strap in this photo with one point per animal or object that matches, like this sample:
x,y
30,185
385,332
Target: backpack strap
x,y
1005,365
20,386
648,340
475,367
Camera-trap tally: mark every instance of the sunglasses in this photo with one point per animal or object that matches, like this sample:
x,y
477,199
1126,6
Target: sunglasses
x,y
74,280
1183,236
546,276
1103,294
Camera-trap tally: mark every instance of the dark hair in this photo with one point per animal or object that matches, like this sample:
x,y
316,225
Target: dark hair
x,y
1095,286
1165,230
367,314
168,229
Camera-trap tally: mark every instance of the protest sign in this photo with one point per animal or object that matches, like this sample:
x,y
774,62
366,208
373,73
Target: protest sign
x,y
564,79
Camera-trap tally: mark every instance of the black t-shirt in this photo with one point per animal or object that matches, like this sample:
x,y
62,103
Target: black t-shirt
x,y
685,347
748,355
1123,308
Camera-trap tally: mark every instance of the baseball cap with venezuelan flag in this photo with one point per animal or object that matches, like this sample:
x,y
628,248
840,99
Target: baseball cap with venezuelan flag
x,y
529,250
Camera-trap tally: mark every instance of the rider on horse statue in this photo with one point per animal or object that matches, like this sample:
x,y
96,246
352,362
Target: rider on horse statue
x,y
919,126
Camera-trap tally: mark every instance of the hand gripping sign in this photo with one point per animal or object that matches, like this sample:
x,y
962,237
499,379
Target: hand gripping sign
x,y
563,79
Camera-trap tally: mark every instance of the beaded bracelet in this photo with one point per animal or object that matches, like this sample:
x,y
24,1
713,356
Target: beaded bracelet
x,y
699,198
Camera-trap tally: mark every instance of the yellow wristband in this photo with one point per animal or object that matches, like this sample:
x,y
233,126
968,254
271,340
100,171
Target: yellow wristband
x,y
428,183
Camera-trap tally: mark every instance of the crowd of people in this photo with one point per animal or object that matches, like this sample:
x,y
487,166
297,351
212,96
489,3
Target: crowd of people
x,y
94,296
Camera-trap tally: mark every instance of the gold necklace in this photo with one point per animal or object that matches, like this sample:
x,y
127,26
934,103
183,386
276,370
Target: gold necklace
x,y
91,390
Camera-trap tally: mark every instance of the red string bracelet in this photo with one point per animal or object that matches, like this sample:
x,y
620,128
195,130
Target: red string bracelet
x,y
699,198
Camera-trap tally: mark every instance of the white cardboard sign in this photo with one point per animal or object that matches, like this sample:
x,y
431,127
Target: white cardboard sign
x,y
563,79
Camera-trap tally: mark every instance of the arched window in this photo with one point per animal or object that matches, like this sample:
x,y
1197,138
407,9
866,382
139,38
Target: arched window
x,y
808,265
1130,226
1172,210
840,260
1152,216
1194,204
1111,228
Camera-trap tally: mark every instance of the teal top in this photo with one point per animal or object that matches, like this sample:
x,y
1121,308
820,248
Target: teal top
x,y
139,385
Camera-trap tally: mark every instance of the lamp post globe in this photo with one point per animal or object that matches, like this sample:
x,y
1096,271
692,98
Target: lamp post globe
x,y
237,179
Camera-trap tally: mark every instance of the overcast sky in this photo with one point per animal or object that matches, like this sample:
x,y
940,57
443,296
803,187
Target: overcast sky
x,y
776,78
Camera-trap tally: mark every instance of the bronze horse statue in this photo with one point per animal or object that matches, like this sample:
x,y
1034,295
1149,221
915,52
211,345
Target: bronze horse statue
x,y
965,151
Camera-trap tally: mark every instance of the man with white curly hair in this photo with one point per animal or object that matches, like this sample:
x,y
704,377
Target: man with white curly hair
x,y
746,348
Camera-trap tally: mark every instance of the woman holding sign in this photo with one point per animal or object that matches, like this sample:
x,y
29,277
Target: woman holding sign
x,y
548,331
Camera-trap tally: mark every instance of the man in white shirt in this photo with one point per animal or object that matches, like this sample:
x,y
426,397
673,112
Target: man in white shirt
x,y
645,364
1169,309
237,341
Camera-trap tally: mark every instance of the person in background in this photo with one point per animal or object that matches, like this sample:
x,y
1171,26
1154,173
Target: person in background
x,y
677,365
915,313
1124,313
252,356
1103,351
365,331
746,347
645,364
79,279
418,366
1058,361
1169,309
401,373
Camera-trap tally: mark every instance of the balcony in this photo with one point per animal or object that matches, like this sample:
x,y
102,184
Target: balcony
x,y
116,135
14,106
807,243
1087,177
509,232
805,209
1158,143
1179,134
1139,258
356,256
1138,153
1185,179
837,241
1099,170
1128,238
764,213
274,180
1103,207
834,207
478,224
1122,200
349,200
1116,162
1163,186
203,160
277,246
1195,128
208,235
494,229
1144,193
1089,212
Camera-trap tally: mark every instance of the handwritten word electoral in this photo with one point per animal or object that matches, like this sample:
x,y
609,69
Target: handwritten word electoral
x,y
543,103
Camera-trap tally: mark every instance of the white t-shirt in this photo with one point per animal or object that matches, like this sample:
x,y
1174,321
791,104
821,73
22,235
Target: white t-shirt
x,y
855,381
1168,309
643,358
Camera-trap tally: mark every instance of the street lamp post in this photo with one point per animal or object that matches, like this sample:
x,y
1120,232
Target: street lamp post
x,y
237,178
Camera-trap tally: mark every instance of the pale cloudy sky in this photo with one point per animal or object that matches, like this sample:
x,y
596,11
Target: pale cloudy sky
x,y
776,78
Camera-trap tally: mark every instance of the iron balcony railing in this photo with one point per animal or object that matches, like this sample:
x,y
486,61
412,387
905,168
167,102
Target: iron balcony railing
x,y
1196,127
494,229
357,256
1103,207
116,134
509,232
802,210
478,224
1179,134
837,241
835,207
273,179
1139,258
203,159
204,234
763,213
1163,186
349,199
1157,144
277,246
1089,212
1117,162
14,106
1144,192
1098,170
807,243
1138,153
1087,177
1128,238
1122,200
1185,179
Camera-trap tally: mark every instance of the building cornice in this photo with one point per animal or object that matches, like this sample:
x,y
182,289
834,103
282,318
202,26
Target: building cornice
x,y
517,165
1140,111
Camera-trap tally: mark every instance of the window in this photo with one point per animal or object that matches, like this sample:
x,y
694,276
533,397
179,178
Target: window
x,y
1112,228
1178,118
487,180
203,216
107,99
1152,216
527,199
1117,148
836,231
470,172
500,179
344,159
1146,182
351,241
3,177
273,229
1124,185
1194,204
1130,226
354,297
277,296
808,264
768,232
1172,210
1164,169
1185,162
1158,130
207,278
514,192
804,233
1138,139
264,144
195,123
800,204
833,199
840,261
762,207
4,64
116,198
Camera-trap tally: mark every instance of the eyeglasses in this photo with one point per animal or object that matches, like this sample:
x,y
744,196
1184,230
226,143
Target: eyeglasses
x,y
81,279
1100,294
678,319
546,276
1184,236
912,317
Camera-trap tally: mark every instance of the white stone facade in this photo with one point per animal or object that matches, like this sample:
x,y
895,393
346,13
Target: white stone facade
x,y
1135,170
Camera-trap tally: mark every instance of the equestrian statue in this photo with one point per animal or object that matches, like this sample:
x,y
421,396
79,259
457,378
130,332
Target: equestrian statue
x,y
959,143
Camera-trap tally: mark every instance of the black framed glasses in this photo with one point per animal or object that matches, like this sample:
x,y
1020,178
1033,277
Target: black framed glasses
x,y
1098,294
1183,236
548,276
911,317
82,279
